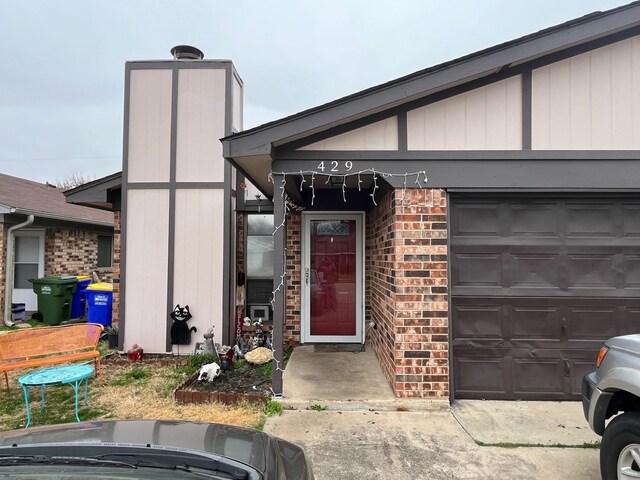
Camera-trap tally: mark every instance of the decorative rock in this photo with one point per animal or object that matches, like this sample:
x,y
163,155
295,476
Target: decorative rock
x,y
258,356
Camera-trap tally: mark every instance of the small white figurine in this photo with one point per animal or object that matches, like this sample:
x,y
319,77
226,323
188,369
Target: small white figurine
x,y
247,322
209,372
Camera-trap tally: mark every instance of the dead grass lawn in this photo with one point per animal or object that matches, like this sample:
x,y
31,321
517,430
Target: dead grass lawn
x,y
131,391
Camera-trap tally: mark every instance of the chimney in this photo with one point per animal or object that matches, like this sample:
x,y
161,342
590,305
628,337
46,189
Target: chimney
x,y
186,52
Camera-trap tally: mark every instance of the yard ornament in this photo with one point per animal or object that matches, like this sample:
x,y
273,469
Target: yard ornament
x,y
258,356
209,372
180,331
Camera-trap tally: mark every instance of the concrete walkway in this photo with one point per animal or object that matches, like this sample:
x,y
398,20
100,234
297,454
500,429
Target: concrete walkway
x,y
431,445
365,432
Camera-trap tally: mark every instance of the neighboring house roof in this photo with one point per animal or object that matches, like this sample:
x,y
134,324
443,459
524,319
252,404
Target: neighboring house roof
x,y
252,150
18,195
100,193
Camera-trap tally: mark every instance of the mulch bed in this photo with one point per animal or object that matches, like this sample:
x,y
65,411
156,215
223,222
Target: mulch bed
x,y
232,386
247,379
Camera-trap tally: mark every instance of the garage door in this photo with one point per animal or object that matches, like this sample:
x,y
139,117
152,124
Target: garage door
x,y
537,284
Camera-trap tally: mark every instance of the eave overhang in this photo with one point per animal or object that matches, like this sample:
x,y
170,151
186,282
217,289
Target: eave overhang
x,y
257,145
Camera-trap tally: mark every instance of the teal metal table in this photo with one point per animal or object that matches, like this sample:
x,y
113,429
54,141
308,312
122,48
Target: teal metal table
x,y
66,375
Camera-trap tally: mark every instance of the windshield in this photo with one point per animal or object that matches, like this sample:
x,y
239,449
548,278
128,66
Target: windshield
x,y
117,462
67,472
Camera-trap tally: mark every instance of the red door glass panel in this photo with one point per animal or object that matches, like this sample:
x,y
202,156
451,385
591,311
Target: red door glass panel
x,y
332,277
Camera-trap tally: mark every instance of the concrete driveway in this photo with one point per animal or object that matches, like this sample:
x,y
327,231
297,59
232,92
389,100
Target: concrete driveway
x,y
446,443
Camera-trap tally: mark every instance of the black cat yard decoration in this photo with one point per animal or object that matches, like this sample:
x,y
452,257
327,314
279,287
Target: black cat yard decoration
x,y
180,331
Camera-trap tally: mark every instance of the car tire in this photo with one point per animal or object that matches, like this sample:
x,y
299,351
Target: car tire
x,y
621,440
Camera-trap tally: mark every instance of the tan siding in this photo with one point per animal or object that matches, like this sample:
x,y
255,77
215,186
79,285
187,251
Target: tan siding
x,y
381,135
487,118
198,263
149,125
147,235
589,102
201,107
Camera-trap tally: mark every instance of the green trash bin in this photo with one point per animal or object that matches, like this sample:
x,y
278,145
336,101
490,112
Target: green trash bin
x,y
54,297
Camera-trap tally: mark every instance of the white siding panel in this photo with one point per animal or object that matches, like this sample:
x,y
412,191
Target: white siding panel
x,y
580,127
540,109
147,236
621,84
455,114
198,264
601,97
487,118
381,135
589,102
435,124
201,119
149,125
559,101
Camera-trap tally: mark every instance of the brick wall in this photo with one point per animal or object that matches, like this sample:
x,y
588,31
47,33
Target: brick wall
x,y
379,283
115,314
72,252
293,280
3,258
240,238
407,279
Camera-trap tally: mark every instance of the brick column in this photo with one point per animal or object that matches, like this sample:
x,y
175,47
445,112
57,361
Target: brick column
x,y
293,296
408,281
3,267
115,313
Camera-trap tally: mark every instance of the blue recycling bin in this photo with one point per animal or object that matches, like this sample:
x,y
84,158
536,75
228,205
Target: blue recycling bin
x,y
78,301
99,302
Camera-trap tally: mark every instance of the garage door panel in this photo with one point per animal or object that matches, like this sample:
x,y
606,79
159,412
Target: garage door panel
x,y
539,323
535,294
539,220
539,376
590,219
591,271
593,323
632,271
631,220
476,219
481,374
478,270
535,270
478,322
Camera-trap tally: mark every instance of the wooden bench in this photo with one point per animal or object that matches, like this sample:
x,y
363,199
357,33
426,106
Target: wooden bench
x,y
39,347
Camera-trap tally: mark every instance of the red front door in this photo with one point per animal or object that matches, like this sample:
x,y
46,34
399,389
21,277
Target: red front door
x,y
333,278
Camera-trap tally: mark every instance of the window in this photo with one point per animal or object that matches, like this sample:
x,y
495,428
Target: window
x,y
26,263
259,266
105,251
260,246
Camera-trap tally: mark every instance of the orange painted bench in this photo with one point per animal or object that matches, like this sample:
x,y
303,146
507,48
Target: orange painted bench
x,y
39,347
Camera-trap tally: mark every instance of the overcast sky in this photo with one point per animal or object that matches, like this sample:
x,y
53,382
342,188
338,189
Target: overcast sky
x,y
61,79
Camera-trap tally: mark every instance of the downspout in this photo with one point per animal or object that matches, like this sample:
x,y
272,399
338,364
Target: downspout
x,y
8,278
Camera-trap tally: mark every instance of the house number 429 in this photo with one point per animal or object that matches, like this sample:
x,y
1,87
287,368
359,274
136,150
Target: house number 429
x,y
333,166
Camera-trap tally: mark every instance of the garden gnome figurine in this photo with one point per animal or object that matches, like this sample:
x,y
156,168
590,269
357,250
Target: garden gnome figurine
x,y
209,347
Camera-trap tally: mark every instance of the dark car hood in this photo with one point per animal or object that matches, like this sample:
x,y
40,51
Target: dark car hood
x,y
257,449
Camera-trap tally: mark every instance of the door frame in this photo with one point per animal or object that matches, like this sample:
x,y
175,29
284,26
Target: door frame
x,y
305,297
23,295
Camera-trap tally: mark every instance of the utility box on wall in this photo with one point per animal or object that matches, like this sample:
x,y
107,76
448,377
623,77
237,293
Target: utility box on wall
x,y
178,193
